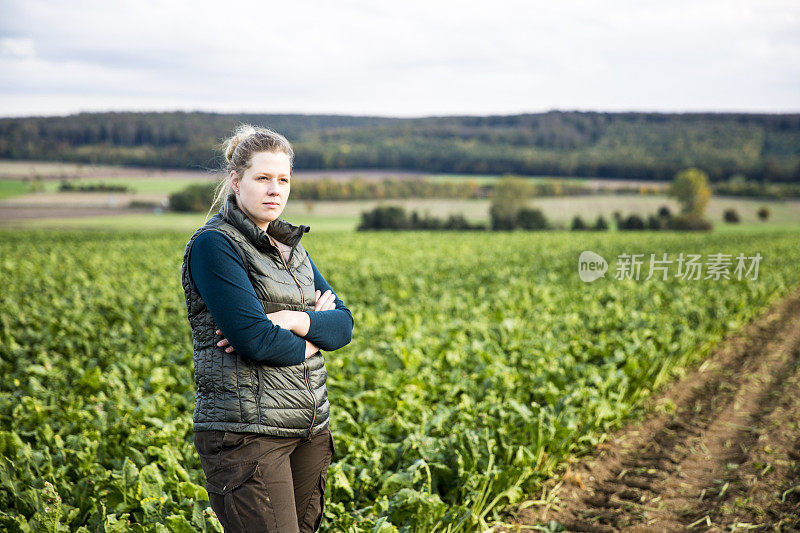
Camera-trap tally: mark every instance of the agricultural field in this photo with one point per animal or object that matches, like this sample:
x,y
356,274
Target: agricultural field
x,y
481,366
12,188
345,215
717,451
144,205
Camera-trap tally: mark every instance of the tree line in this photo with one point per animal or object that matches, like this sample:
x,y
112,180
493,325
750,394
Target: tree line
x,y
509,210
645,146
197,197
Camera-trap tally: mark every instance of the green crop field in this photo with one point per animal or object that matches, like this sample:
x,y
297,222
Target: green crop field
x,y
141,185
138,185
11,188
480,364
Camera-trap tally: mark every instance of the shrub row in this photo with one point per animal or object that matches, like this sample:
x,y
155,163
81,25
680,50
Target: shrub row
x,y
396,218
662,220
71,186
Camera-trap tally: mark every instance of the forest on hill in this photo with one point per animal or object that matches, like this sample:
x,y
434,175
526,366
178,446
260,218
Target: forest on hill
x,y
763,147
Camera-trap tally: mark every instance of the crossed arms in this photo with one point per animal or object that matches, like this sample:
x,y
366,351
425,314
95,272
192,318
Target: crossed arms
x,y
282,338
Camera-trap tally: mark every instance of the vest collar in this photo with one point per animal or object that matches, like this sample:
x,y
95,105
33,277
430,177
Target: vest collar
x,y
279,229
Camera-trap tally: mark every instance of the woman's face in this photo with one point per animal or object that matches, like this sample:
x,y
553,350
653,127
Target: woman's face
x,y
264,189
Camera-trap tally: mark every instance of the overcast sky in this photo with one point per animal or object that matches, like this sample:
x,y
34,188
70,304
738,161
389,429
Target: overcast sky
x,y
409,58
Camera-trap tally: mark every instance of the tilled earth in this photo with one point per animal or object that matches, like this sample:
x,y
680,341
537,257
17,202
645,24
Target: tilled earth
x,y
721,451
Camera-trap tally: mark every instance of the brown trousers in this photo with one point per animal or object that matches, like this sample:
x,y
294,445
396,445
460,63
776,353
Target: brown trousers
x,y
261,483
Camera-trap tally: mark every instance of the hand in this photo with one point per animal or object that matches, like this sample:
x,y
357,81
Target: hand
x,y
224,342
325,302
311,349
284,318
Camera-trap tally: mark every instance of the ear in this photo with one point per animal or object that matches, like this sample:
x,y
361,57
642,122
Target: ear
x,y
233,179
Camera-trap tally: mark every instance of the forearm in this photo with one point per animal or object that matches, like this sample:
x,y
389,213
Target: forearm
x,y
298,323
330,330
301,323
275,347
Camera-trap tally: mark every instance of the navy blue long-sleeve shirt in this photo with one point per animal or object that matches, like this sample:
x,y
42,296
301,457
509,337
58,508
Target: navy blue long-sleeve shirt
x,y
218,273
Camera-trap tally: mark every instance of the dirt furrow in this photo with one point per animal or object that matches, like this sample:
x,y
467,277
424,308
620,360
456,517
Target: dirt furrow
x,y
698,462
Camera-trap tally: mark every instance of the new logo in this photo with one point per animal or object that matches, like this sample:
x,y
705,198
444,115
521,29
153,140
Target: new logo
x,y
591,266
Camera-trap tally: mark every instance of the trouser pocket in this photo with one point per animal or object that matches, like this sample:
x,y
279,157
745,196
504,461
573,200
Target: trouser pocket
x,y
312,517
323,481
240,498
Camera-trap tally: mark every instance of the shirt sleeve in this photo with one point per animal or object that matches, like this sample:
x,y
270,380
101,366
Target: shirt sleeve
x,y
219,274
333,329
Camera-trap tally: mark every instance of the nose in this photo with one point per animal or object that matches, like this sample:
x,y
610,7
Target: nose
x,y
272,188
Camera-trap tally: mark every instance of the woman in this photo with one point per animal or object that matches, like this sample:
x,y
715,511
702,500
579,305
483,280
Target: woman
x,y
260,312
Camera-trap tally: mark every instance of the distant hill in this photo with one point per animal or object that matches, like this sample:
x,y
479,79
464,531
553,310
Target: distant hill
x,y
619,145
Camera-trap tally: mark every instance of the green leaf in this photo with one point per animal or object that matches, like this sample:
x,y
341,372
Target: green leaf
x,y
150,482
179,524
192,491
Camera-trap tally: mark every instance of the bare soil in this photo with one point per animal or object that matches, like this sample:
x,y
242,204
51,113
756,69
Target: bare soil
x,y
45,170
51,170
719,451
10,214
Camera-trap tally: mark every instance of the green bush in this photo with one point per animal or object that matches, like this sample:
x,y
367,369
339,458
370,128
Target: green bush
x,y
531,219
689,223
501,217
730,216
600,224
384,217
396,218
632,222
458,222
655,222
194,198
577,224
71,186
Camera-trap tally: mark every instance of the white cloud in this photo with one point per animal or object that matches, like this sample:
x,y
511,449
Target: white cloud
x,y
19,48
402,59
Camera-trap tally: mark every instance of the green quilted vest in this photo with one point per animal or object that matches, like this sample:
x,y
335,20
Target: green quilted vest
x,y
231,392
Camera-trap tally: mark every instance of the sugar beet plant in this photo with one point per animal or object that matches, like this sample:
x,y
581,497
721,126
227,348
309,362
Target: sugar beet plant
x,y
479,365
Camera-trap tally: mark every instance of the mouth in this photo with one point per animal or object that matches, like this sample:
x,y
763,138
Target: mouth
x,y
272,204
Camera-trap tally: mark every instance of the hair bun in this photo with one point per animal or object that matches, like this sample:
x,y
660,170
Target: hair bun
x,y
241,133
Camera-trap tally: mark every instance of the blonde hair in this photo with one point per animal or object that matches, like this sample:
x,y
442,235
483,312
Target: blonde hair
x,y
238,150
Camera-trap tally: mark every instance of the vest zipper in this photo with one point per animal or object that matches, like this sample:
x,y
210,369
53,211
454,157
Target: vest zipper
x,y
314,417
305,365
299,287
258,394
